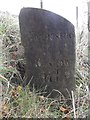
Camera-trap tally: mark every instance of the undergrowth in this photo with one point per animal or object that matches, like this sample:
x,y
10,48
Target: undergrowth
x,y
17,101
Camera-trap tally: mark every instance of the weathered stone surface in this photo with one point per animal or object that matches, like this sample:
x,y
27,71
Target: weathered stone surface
x,y
49,43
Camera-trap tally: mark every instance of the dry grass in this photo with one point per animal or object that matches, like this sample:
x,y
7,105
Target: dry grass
x,y
21,102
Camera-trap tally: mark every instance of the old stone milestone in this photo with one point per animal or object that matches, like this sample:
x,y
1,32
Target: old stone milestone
x,y
49,43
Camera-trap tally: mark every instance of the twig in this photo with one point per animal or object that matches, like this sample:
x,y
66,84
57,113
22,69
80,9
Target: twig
x,y
73,103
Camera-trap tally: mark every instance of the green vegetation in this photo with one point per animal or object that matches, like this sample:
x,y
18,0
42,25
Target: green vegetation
x,y
21,102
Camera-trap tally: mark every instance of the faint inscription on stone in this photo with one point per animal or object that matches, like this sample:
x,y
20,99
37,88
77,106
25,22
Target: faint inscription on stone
x,y
49,43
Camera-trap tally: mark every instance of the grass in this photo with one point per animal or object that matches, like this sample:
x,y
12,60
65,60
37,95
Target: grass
x,y
21,102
